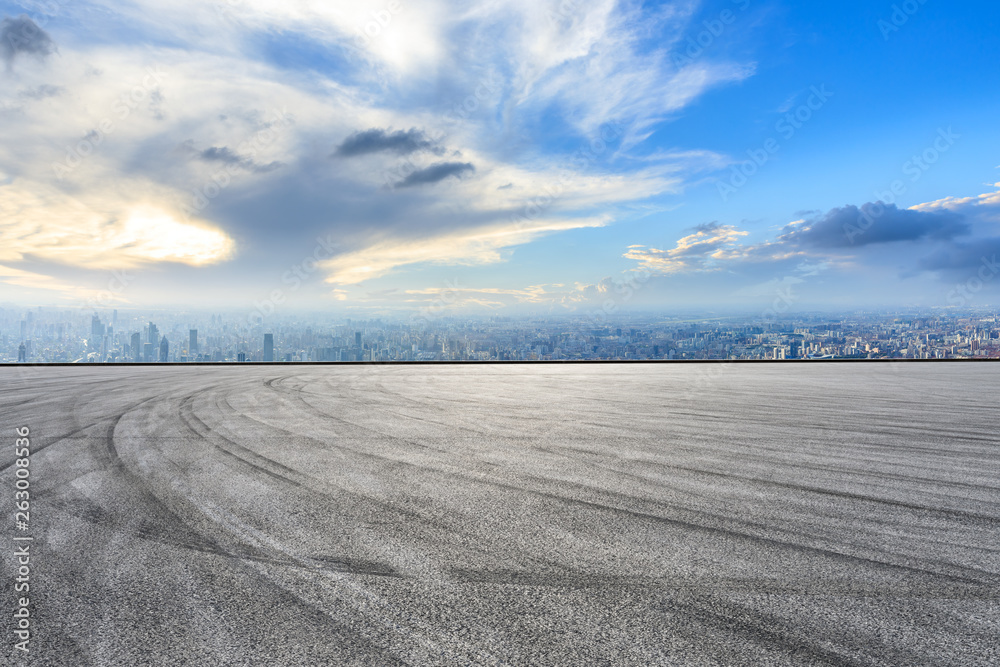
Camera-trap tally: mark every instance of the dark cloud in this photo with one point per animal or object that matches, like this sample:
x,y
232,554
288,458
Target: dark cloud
x,y
434,173
41,92
852,227
225,155
220,154
964,257
264,168
376,140
21,35
707,228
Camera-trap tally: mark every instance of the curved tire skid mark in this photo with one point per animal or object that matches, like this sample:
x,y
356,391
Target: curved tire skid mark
x,y
257,539
255,556
316,485
948,512
728,533
299,397
156,506
829,553
56,440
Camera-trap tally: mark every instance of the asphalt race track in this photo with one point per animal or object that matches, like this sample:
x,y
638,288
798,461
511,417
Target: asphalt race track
x,y
799,514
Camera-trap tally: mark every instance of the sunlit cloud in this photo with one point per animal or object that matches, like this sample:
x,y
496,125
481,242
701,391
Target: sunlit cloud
x,y
698,251
466,248
29,280
986,200
57,228
378,122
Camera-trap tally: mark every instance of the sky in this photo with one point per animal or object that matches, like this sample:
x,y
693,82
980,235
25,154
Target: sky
x,y
499,157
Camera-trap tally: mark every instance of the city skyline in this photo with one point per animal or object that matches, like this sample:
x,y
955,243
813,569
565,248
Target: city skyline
x,y
392,157
53,336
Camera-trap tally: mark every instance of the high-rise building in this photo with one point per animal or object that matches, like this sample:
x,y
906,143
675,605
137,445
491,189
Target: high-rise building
x,y
193,342
153,335
96,332
137,347
147,352
357,339
22,353
268,347
164,350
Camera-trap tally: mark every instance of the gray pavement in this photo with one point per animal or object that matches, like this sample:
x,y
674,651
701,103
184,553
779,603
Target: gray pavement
x,y
807,514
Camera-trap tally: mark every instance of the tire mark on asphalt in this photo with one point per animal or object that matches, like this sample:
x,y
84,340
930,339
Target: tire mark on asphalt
x,y
836,555
725,532
282,472
56,440
676,522
986,518
450,529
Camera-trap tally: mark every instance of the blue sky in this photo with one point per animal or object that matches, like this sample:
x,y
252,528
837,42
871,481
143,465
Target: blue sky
x,y
388,157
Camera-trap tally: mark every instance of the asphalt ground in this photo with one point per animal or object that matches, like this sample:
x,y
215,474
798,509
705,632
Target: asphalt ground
x,y
767,514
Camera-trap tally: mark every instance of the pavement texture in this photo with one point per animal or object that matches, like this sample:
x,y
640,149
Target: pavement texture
x,y
767,514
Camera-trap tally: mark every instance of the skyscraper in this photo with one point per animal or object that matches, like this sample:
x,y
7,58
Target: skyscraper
x,y
137,347
268,347
164,350
357,339
96,332
193,342
22,353
153,335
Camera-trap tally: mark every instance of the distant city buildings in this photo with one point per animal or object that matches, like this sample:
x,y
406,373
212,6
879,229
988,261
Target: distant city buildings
x,y
53,335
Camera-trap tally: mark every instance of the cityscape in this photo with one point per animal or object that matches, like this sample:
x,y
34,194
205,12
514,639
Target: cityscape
x,y
53,335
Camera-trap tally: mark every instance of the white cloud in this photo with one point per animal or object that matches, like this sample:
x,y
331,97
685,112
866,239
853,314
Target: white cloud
x,y
698,251
101,232
959,204
29,280
465,247
105,164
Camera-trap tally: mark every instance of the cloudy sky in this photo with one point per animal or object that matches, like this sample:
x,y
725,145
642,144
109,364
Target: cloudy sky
x,y
499,156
